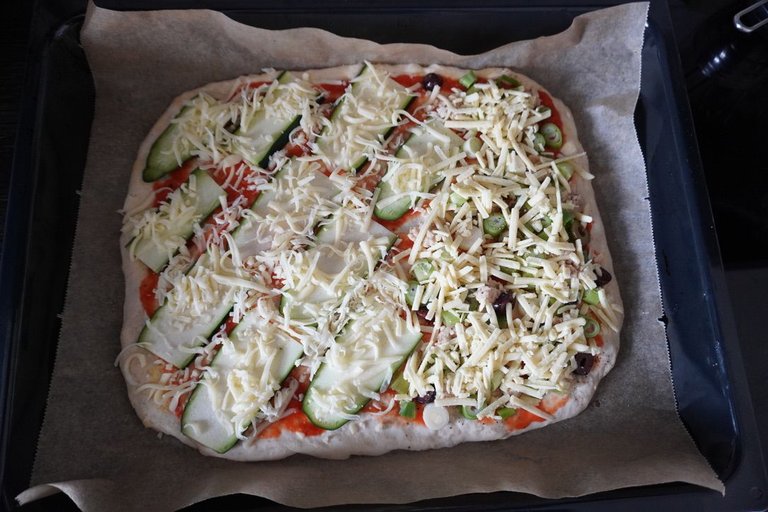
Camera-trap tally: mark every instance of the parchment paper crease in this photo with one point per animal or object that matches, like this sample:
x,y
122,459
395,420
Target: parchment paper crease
x,y
93,446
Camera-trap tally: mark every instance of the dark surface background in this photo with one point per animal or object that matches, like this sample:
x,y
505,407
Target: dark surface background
x,y
731,124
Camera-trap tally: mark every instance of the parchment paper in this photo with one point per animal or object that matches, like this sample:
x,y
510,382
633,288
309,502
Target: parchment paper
x,y
93,446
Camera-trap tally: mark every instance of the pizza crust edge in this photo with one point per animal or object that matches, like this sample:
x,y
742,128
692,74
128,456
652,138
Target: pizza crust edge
x,y
369,435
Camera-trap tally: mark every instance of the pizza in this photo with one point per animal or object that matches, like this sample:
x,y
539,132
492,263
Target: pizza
x,y
354,260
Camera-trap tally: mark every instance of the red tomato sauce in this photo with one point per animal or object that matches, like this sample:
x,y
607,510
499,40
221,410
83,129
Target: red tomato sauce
x,y
394,413
392,225
555,118
229,324
368,181
147,292
172,181
332,92
250,85
254,85
408,80
190,374
294,150
522,418
419,418
237,186
405,242
449,84
296,421
179,411
599,340
380,405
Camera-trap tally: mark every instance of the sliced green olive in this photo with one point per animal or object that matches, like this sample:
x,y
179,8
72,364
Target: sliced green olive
x,y
400,385
408,409
457,199
410,292
508,81
468,79
450,318
421,270
539,142
472,145
578,231
552,135
568,217
540,233
494,225
591,297
566,169
506,412
591,328
496,379
469,412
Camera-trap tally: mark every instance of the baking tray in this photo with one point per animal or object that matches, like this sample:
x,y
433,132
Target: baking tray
x,y
712,394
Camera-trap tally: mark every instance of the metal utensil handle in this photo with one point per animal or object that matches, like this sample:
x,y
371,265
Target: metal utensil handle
x,y
749,28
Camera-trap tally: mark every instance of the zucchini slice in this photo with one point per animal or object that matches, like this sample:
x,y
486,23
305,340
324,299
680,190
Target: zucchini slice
x,y
161,158
182,325
176,219
266,131
254,236
365,354
256,360
167,334
363,117
269,128
341,257
417,156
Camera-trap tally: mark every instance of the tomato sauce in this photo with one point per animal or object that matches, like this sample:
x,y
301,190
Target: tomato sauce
x,y
250,85
367,181
192,373
394,413
392,225
255,85
294,150
448,83
172,181
522,418
555,118
147,292
238,184
408,80
332,92
179,411
599,340
297,422
380,405
405,242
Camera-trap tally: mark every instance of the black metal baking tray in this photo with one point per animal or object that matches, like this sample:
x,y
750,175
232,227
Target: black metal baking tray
x,y
712,394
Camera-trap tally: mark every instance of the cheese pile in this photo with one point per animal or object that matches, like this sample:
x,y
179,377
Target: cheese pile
x,y
372,107
221,133
488,359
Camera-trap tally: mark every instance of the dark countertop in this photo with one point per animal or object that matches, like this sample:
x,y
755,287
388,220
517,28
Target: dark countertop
x,y
14,31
